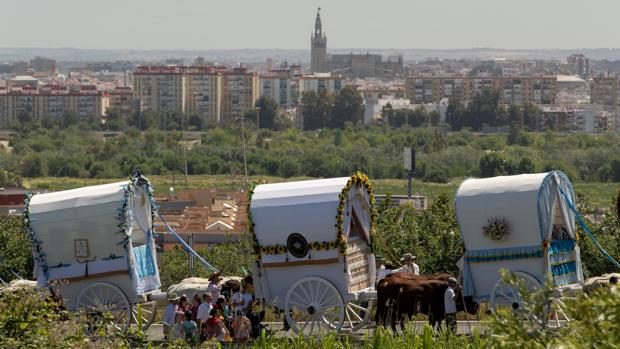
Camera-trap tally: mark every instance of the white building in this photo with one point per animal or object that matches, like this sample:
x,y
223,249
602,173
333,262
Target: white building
x,y
278,87
375,106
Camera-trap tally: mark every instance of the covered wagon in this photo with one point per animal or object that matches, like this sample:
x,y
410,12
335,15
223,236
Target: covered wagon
x,y
312,241
96,244
523,224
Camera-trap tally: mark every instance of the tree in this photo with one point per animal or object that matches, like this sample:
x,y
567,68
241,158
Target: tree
x,y
348,107
455,113
15,249
315,109
114,120
70,118
398,118
403,229
195,122
526,166
387,112
492,165
26,121
267,112
33,166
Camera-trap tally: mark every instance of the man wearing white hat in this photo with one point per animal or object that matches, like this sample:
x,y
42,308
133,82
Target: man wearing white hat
x,y
408,265
169,318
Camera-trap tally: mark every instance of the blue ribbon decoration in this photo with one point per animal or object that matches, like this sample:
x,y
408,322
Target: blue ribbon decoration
x,y
502,254
588,232
187,247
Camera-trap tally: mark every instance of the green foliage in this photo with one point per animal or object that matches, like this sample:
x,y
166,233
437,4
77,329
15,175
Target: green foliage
x,y
15,249
348,107
230,257
432,235
593,320
607,233
267,113
33,319
316,109
373,149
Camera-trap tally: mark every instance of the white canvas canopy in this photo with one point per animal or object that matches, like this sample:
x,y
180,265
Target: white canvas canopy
x,y
541,235
305,207
101,230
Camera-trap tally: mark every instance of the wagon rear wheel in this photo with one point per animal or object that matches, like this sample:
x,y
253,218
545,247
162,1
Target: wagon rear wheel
x,y
506,295
314,305
357,315
148,311
100,298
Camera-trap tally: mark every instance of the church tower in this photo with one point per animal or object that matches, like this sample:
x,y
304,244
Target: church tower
x,y
318,51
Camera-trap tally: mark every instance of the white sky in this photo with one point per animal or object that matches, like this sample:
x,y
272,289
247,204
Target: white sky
x,y
211,24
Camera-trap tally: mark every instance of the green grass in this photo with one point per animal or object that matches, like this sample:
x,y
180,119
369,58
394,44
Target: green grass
x,y
597,193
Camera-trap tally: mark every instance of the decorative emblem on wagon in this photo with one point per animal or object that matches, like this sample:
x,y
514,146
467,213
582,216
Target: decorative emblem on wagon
x,y
297,245
497,229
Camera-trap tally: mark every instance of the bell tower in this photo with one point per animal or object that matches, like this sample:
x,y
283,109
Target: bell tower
x,y
318,48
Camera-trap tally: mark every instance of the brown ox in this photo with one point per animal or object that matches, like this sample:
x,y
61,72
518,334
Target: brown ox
x,y
400,295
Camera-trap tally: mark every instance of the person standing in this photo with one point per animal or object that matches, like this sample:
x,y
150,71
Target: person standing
x,y
189,328
449,301
382,272
241,302
194,307
214,288
204,311
409,266
183,305
169,318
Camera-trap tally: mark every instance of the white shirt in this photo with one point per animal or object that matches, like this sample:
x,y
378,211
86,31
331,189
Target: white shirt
x,y
204,309
449,302
382,273
169,317
214,291
242,301
414,269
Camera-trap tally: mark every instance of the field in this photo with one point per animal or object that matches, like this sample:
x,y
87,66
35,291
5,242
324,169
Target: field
x,y
597,193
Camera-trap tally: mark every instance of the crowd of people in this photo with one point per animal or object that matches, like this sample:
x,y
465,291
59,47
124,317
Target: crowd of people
x,y
214,315
224,317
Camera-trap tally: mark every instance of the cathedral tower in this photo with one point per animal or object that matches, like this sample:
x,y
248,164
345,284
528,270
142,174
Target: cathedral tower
x,y
318,50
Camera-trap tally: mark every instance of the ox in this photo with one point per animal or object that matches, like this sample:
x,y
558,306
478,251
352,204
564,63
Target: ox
x,y
400,295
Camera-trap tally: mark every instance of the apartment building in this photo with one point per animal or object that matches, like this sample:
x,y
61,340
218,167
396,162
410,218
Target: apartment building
x,y
160,88
512,89
240,91
320,82
121,99
42,64
604,91
279,85
204,91
52,100
579,64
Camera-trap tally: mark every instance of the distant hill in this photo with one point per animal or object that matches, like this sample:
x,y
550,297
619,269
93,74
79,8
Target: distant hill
x,y
292,55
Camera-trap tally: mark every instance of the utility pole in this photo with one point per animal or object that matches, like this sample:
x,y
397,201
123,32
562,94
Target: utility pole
x,y
190,242
245,163
409,159
257,118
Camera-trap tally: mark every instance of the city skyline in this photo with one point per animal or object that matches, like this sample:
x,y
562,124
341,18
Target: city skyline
x,y
274,24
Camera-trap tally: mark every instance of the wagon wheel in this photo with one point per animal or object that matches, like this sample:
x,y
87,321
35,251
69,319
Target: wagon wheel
x,y
103,297
148,312
358,314
506,295
314,305
555,314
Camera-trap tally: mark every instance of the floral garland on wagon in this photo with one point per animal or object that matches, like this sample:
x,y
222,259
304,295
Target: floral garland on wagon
x,y
357,178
